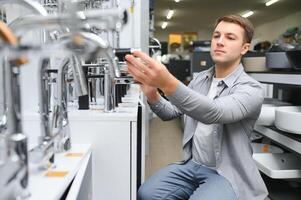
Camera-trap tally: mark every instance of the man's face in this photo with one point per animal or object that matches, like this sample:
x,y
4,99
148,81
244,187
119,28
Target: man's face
x,y
227,44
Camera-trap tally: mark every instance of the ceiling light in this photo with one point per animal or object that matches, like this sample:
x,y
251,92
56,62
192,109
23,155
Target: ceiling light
x,y
248,14
271,2
164,25
170,14
177,1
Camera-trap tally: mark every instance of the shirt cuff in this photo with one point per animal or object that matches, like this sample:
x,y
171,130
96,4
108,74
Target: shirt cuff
x,y
179,94
156,106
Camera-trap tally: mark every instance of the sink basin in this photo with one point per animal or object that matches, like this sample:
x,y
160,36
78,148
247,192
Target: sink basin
x,y
267,114
288,119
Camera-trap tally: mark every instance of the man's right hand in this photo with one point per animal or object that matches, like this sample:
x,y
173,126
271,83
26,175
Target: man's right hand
x,y
151,93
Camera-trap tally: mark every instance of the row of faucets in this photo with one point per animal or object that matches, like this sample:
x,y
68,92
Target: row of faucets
x,y
79,44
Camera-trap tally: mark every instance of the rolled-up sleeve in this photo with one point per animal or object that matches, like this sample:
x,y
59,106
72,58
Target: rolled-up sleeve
x,y
244,102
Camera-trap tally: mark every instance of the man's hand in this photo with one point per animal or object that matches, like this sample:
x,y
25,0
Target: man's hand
x,y
149,72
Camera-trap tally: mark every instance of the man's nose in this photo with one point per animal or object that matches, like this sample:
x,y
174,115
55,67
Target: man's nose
x,y
220,40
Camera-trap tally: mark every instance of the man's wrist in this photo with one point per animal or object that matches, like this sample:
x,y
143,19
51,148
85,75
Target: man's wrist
x,y
171,85
153,98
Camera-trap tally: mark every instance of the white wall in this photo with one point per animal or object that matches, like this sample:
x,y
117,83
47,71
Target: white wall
x,y
205,34
272,30
135,34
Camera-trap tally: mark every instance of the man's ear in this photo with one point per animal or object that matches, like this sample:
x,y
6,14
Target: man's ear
x,y
245,48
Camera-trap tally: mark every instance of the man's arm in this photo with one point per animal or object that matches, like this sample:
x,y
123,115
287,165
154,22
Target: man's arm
x,y
164,109
158,104
245,102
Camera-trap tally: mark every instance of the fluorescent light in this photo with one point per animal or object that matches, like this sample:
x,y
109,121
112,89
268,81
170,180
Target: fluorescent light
x,y
170,14
248,14
271,2
177,1
164,25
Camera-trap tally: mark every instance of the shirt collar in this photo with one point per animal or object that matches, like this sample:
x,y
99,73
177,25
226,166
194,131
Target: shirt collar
x,y
228,80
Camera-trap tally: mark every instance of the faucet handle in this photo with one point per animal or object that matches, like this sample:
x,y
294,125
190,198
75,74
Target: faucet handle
x,y
8,36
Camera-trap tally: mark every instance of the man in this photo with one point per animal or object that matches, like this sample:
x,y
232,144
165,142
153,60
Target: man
x,y
220,106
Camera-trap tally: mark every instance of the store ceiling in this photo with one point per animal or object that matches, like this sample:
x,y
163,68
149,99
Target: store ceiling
x,y
194,15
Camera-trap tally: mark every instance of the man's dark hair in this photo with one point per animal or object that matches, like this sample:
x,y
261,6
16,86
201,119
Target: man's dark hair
x,y
245,23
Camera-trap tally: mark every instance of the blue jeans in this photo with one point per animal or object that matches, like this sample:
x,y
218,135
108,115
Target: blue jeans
x,y
186,181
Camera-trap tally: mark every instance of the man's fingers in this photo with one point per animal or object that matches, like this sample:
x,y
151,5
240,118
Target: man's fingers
x,y
138,64
136,73
134,70
143,56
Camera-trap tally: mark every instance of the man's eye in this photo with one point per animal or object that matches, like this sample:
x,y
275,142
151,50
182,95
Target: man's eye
x,y
215,36
231,38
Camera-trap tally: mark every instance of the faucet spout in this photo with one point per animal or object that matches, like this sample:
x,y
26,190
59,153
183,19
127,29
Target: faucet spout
x,y
11,122
109,19
44,100
34,6
60,122
79,77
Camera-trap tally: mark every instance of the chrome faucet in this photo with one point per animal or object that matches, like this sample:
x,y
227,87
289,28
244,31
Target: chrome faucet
x,y
15,169
108,19
155,45
14,156
55,135
43,154
112,71
13,166
34,6
60,121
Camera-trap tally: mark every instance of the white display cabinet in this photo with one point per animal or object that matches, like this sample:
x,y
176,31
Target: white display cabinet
x,y
114,145
117,143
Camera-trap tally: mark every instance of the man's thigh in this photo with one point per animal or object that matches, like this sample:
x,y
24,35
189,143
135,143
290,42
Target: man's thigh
x,y
173,182
213,188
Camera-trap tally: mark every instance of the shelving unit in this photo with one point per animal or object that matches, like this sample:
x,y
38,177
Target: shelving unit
x,y
287,140
279,166
275,78
290,141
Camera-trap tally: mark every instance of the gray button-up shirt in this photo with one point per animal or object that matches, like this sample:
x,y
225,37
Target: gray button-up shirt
x,y
234,112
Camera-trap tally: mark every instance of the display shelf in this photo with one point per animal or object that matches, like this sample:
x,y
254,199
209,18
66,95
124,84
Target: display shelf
x,y
288,140
279,165
51,184
289,78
